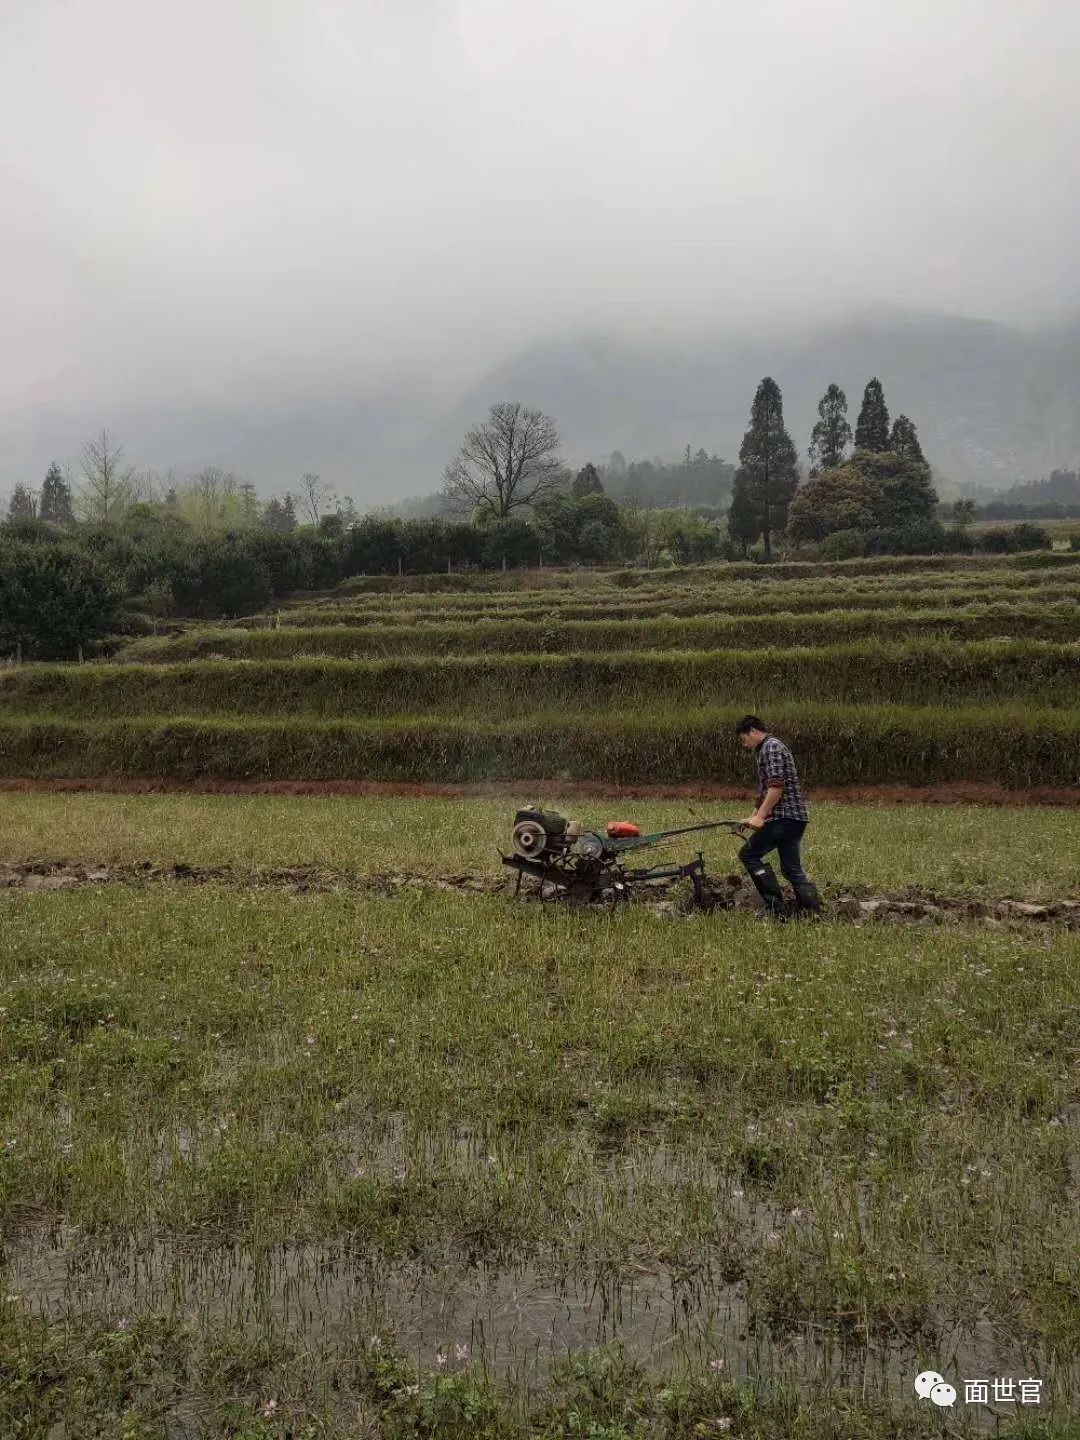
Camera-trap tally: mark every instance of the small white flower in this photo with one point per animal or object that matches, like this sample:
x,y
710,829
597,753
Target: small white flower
x,y
717,1363
461,1353
441,1358
270,1408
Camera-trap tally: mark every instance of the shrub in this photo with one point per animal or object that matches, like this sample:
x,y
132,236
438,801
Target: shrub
x,y
843,545
917,537
54,598
1009,539
222,578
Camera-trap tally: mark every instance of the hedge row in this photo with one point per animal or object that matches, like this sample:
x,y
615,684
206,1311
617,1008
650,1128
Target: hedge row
x,y
601,597
819,598
878,744
937,671
558,579
1059,622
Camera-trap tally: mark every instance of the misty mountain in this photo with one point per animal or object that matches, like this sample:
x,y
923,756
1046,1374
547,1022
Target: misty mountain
x,y
994,406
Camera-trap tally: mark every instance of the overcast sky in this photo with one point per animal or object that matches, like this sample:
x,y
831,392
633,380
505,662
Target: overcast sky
x,y
260,197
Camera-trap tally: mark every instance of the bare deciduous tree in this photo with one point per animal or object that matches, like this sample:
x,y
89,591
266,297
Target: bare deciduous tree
x,y
314,496
508,462
110,484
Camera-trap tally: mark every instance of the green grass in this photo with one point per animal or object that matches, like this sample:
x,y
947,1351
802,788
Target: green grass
x,y
518,686
957,849
860,1132
1059,622
1018,745
740,597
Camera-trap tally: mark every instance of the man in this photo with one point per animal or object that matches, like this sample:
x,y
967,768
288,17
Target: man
x,y
778,822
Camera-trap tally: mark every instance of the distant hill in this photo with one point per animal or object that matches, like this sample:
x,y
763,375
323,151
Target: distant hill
x,y
994,405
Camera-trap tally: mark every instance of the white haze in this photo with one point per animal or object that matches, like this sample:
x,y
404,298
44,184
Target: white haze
x,y
244,207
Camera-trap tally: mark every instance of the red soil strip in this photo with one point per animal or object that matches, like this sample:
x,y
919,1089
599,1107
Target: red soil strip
x,y
958,793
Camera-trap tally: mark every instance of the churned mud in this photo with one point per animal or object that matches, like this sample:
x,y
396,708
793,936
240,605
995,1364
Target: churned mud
x,y
969,792
730,892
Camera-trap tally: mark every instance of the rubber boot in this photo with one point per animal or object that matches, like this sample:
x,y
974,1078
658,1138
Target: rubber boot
x,y
767,886
807,899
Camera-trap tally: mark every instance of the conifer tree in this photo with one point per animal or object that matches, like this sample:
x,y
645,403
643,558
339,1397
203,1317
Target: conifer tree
x,y
23,503
832,434
55,502
872,426
904,440
768,468
743,520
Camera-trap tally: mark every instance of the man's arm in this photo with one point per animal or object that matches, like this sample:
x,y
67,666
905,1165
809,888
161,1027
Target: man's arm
x,y
768,804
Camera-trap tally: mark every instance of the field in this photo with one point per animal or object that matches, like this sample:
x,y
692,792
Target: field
x,y
308,1129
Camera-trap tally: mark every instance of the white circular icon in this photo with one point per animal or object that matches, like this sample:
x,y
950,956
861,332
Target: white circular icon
x,y
943,1394
925,1382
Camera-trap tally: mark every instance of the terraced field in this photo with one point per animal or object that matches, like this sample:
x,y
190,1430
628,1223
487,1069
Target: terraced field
x,y
878,675
308,1128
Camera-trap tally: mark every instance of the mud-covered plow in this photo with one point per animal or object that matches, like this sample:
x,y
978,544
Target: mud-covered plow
x,y
596,865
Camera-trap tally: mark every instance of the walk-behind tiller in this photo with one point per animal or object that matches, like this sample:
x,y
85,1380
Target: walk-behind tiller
x,y
589,865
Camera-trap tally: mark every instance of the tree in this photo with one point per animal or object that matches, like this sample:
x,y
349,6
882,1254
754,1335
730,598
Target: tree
x,y
743,518
214,500
587,482
55,503
963,511
508,462
110,483
902,491
834,500
23,504
278,516
832,434
313,496
904,440
768,468
872,426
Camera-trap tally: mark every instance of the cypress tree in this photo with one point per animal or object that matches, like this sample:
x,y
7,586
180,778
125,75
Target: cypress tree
x,y
587,481
872,426
55,503
743,520
768,466
832,434
904,440
23,504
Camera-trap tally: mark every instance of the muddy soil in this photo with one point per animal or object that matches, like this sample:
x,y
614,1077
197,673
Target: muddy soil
x,y
730,892
958,793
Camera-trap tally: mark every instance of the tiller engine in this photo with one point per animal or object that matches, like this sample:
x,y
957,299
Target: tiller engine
x,y
590,865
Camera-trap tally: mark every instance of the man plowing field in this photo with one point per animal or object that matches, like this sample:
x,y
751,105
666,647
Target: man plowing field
x,y
779,822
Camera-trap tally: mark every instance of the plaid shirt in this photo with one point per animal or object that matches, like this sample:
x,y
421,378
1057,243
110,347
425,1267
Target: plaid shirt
x,y
775,762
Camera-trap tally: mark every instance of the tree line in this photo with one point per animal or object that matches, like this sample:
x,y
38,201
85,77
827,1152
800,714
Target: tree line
x,y
124,552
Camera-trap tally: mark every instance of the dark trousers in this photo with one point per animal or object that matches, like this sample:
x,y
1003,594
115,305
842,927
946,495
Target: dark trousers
x,y
785,837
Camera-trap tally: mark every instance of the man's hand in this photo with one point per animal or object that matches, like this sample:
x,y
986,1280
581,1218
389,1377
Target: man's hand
x,y
753,821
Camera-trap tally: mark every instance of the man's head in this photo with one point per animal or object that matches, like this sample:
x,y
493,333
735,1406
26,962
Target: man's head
x,y
750,731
